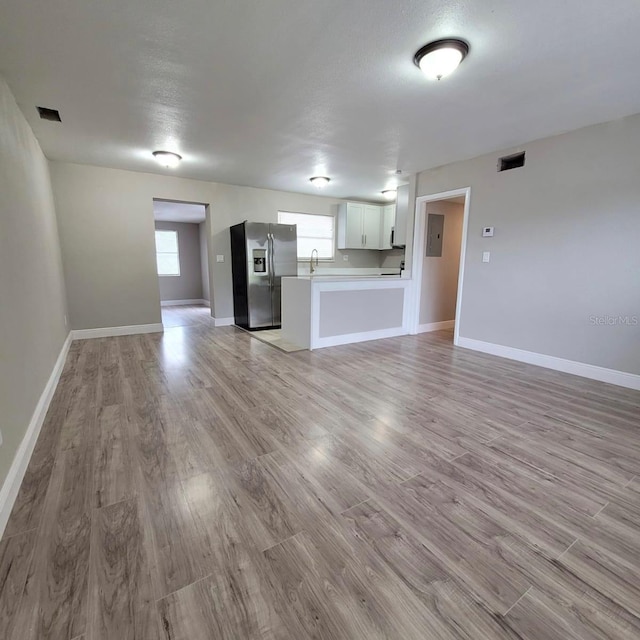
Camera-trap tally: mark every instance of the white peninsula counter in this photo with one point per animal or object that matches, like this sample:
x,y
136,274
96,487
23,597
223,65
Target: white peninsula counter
x,y
324,311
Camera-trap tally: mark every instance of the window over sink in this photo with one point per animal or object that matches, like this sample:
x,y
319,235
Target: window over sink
x,y
315,231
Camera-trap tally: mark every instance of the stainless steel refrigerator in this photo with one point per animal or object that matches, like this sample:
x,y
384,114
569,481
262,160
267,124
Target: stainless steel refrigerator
x,y
261,254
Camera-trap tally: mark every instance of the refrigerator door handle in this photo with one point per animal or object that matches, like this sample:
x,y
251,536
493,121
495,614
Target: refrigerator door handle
x,y
269,248
272,269
272,263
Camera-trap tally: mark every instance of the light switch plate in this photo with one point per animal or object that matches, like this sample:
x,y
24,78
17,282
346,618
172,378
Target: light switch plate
x,y
487,232
0,438
345,258
219,258
486,256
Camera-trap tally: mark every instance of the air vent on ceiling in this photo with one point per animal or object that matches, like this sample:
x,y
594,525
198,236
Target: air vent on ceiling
x,y
49,114
511,162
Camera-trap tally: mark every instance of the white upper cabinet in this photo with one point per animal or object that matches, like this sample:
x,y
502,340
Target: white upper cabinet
x,y
371,226
401,216
360,226
388,221
353,222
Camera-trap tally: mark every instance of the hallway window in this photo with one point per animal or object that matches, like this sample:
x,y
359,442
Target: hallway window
x,y
167,255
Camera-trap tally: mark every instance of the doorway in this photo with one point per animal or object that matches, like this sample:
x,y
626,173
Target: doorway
x,y
440,233
182,261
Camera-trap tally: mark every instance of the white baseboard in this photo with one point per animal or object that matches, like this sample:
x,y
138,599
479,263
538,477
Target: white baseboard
x,y
224,322
11,485
180,303
108,332
620,378
436,326
348,338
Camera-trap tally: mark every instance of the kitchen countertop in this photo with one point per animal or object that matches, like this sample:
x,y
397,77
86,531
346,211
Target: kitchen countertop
x,y
325,278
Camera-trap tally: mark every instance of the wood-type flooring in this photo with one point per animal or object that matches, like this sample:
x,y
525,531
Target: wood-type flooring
x,y
200,484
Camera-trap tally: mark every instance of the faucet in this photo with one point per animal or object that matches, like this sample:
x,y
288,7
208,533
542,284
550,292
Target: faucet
x,y
311,267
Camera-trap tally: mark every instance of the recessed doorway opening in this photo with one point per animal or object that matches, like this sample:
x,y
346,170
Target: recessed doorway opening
x,y
182,260
438,261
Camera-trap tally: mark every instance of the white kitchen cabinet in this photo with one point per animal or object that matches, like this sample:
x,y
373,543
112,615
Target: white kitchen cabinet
x,y
353,226
388,221
359,226
402,216
371,226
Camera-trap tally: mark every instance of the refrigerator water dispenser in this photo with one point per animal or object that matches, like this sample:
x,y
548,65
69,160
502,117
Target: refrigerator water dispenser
x,y
259,261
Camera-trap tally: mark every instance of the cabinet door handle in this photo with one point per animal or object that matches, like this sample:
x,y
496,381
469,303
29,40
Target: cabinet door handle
x,y
365,239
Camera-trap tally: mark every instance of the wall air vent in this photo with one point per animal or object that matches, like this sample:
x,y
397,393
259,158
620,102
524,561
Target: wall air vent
x,y
49,114
511,162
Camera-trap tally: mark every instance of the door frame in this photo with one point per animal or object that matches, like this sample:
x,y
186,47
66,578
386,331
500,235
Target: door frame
x,y
207,227
419,246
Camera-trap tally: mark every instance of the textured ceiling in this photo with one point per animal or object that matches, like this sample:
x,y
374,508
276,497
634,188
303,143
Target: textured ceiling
x,y
269,93
166,211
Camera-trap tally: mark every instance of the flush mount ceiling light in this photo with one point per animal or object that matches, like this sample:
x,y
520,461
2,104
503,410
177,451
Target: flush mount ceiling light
x,y
389,194
440,58
167,159
319,181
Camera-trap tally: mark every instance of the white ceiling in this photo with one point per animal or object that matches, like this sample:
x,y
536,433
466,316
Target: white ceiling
x,y
269,93
166,211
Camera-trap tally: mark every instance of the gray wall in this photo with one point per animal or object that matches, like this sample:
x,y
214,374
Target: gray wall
x,y
32,307
204,261
107,235
343,312
106,227
440,275
566,245
188,285
391,258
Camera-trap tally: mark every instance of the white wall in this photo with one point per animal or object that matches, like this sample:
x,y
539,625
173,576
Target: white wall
x,y
440,275
106,228
188,285
566,245
32,295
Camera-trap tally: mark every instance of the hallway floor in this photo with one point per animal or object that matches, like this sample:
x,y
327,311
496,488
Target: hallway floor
x,y
186,316
200,484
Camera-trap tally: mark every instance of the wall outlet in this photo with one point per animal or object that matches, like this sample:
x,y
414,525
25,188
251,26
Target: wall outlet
x,y
486,256
345,258
219,258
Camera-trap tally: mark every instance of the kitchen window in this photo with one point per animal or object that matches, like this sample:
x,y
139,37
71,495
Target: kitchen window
x,y
167,255
315,231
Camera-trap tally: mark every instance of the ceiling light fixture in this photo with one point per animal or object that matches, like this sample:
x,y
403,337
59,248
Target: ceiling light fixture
x,y
389,194
319,181
167,159
440,58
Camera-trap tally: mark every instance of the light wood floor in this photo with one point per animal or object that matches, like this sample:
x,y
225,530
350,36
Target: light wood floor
x,y
201,484
186,316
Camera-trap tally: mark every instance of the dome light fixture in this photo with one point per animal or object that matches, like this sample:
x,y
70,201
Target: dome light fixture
x,y
167,159
319,181
440,58
389,194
